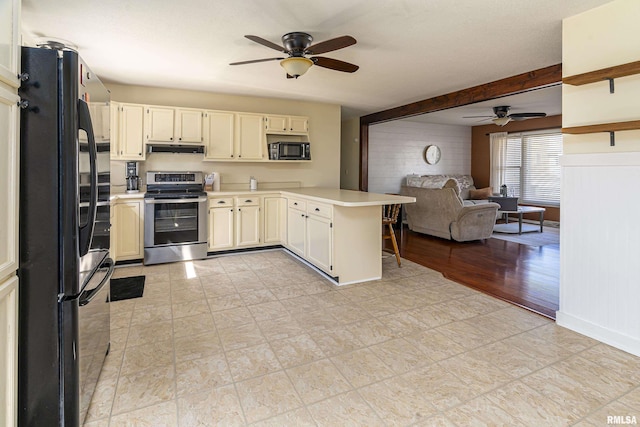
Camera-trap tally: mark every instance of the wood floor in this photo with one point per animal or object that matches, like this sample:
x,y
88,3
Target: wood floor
x,y
527,276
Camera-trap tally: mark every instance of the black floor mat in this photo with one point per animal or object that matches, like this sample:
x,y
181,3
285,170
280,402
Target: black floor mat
x,y
126,288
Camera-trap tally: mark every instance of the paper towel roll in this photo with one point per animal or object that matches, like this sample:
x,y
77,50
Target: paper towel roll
x,y
216,181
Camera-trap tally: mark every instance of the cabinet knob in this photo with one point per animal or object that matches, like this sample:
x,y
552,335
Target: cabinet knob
x,y
179,139
171,139
317,209
302,215
232,155
239,209
295,203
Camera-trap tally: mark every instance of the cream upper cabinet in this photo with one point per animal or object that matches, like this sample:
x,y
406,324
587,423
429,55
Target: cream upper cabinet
x,y
159,124
188,126
8,183
274,219
284,125
249,136
221,224
9,42
130,139
173,125
247,221
218,129
114,119
129,229
276,124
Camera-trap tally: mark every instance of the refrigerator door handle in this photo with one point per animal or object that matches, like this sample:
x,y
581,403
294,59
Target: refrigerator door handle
x,y
86,230
86,297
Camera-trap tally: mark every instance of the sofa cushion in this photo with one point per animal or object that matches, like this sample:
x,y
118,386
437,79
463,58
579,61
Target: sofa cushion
x,y
452,183
481,193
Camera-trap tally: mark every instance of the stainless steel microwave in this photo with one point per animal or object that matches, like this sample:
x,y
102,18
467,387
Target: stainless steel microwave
x,y
289,151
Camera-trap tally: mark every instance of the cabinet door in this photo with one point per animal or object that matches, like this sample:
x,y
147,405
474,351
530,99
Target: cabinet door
x,y
249,136
296,230
248,226
99,112
298,124
131,142
114,131
319,242
8,183
129,237
277,124
219,134
159,124
220,228
8,351
9,42
189,125
274,219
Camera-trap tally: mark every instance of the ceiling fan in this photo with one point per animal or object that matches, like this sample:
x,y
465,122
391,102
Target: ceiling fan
x,y
297,46
502,117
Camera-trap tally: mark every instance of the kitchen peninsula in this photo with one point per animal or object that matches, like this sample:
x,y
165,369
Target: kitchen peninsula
x,y
337,231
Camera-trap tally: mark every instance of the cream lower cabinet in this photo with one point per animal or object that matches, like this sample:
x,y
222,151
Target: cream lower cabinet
x,y
129,229
310,232
234,222
275,225
8,351
247,221
221,224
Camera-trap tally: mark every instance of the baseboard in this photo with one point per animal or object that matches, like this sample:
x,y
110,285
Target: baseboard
x,y
597,332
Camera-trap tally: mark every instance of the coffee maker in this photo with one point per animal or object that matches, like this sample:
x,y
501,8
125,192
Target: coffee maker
x,y
132,178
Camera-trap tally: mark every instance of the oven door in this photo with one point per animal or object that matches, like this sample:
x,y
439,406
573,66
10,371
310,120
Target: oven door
x,y
175,221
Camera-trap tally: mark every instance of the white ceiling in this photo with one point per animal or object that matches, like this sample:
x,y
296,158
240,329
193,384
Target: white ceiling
x,y
407,50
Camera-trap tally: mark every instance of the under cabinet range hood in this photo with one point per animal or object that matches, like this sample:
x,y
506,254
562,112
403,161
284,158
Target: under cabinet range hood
x,y
175,148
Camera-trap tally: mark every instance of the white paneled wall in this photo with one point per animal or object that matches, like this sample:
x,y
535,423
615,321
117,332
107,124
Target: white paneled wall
x,y
600,247
396,149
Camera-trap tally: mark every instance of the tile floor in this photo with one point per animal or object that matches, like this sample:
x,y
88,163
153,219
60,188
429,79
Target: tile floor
x,y
261,339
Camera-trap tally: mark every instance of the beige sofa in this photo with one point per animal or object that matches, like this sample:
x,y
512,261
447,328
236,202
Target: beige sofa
x,y
465,185
440,212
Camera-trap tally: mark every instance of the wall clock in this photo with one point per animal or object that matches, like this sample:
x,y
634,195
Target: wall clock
x,y
432,154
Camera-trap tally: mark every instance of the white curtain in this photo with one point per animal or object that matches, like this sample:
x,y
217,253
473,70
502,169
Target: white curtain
x,y
498,143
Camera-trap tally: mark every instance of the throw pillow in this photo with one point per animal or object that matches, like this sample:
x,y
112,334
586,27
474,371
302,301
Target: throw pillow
x,y
481,193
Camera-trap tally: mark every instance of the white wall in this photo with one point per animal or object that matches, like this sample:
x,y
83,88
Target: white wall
x,y
600,234
396,149
324,135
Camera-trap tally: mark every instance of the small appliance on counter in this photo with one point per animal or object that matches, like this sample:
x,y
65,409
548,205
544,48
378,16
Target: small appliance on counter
x,y
289,151
132,178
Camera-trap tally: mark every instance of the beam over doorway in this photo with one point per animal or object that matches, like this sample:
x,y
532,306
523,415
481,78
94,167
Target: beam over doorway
x,y
520,83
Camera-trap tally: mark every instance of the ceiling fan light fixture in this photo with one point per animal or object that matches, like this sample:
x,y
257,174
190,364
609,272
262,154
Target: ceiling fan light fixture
x,y
501,121
296,66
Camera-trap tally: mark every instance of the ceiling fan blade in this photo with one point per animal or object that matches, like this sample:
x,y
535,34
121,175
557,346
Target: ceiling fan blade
x,y
523,116
266,43
330,45
334,64
476,117
253,61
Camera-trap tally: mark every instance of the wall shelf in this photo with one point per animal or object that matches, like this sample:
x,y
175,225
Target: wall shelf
x,y
610,128
609,73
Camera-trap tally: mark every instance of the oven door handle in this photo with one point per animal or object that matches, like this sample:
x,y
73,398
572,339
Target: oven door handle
x,y
160,201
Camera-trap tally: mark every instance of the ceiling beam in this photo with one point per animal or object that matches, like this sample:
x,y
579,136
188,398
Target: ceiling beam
x,y
520,83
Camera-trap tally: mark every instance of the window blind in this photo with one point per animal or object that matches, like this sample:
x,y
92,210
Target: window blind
x,y
533,166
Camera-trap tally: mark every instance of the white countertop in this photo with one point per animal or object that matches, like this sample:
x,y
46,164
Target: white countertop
x,y
349,198
334,196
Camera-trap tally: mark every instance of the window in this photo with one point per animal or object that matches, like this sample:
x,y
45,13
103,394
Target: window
x,y
532,168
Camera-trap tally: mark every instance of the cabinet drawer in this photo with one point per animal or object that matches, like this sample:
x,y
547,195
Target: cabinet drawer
x,y
319,209
297,204
221,202
247,201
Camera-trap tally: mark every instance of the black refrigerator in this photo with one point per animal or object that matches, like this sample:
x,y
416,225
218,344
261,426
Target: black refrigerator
x,y
65,268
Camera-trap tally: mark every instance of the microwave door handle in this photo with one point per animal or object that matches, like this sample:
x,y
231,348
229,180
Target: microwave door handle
x,y
86,230
304,151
